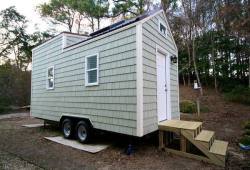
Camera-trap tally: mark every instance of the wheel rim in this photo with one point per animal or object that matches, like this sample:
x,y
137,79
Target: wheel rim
x,y
82,133
67,129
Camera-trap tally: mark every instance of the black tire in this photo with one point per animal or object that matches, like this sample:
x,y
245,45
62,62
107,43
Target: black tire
x,y
68,128
83,132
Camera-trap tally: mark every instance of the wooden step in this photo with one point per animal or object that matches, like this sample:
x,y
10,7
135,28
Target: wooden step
x,y
205,136
204,148
219,147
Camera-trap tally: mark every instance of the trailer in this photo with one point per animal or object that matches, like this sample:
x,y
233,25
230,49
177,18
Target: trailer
x,y
122,78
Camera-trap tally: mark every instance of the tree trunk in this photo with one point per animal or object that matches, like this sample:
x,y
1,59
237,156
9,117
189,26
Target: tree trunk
x,y
249,71
213,60
98,23
79,23
165,5
195,67
92,24
70,25
189,65
183,79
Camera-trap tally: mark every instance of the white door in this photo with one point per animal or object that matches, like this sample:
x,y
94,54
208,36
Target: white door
x,y
161,86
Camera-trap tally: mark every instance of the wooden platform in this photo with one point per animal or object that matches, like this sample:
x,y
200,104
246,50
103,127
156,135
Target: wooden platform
x,y
179,124
214,151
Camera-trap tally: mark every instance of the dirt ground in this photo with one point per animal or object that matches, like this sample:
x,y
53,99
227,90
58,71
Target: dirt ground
x,y
26,148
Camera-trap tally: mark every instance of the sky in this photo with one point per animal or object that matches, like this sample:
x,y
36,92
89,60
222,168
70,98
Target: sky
x,y
36,22
28,9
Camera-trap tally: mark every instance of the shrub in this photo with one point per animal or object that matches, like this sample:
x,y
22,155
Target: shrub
x,y
247,125
239,94
188,106
228,84
4,100
4,104
4,109
247,132
14,86
245,140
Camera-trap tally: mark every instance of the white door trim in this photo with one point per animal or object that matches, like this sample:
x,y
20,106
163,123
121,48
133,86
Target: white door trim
x,y
161,50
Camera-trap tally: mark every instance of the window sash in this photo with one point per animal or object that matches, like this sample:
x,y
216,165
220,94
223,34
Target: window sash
x,y
162,28
88,70
50,72
93,76
91,61
50,81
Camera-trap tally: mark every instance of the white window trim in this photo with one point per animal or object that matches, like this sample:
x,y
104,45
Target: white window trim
x,y
97,70
47,78
160,22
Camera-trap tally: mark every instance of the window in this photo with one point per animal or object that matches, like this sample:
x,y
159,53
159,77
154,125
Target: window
x,y
50,78
162,28
91,70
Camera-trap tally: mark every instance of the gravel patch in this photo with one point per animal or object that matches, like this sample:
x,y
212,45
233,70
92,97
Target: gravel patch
x,y
11,162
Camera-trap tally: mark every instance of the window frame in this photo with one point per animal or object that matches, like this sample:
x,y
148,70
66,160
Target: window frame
x,y
87,70
160,22
49,77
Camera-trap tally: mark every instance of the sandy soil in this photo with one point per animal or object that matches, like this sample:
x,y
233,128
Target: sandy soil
x,y
26,148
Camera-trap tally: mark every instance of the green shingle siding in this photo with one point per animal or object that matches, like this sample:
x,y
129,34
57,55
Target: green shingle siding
x,y
111,105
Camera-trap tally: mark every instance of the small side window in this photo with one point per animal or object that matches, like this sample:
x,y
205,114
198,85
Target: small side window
x,y
50,82
162,28
91,70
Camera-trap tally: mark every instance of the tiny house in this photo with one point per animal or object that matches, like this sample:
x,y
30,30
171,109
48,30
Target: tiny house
x,y
122,78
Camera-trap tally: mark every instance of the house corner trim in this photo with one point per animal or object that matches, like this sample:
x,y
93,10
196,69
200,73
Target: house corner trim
x,y
139,80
